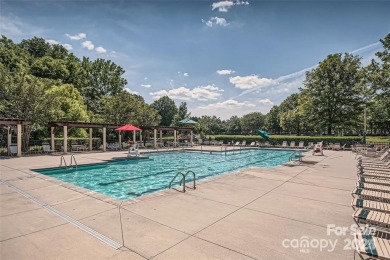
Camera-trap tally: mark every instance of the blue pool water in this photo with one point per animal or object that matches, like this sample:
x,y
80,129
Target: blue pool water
x,y
126,179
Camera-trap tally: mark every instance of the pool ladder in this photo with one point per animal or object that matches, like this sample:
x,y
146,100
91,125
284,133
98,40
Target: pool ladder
x,y
72,159
183,180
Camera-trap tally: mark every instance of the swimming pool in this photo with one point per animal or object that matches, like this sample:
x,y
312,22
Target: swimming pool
x,y
126,179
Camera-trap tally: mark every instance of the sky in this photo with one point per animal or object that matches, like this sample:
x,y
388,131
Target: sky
x,y
223,58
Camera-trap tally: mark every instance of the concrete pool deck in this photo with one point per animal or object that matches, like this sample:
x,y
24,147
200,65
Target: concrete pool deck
x,y
255,213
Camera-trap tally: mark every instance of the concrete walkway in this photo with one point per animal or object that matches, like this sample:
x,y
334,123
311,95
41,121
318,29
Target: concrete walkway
x,y
252,214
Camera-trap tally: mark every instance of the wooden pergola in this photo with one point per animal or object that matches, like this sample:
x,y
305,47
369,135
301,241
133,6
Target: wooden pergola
x,y
168,128
11,123
67,125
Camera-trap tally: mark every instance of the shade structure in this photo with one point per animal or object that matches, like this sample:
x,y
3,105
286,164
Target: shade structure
x,y
187,121
128,128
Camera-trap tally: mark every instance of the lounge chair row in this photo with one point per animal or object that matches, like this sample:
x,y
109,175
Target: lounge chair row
x,y
371,204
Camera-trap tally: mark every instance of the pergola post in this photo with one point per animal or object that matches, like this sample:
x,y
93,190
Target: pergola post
x,y
133,136
52,138
65,144
191,137
104,140
155,138
140,136
161,136
174,136
19,139
90,139
120,139
9,139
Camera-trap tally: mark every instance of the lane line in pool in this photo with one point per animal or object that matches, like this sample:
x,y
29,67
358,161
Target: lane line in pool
x,y
71,220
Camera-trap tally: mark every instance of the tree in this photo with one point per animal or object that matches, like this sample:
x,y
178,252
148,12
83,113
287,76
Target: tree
x,y
289,116
272,120
209,125
22,96
378,79
126,108
36,47
252,121
47,67
166,108
103,78
379,73
12,57
64,103
332,92
182,113
233,125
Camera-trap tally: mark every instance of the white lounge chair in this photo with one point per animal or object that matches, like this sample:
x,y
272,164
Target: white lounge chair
x,y
336,146
310,145
113,146
253,144
292,144
237,144
244,143
301,144
46,149
13,150
284,144
133,151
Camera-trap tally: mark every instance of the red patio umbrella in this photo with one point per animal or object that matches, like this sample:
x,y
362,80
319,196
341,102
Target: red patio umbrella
x,y
128,128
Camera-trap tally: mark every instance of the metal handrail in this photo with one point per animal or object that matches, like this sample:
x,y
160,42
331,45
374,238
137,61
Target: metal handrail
x,y
63,159
72,158
293,154
184,178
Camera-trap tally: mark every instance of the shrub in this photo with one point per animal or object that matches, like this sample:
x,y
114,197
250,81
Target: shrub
x,y
277,140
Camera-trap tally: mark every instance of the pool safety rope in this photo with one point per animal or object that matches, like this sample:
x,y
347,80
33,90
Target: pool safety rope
x,y
71,220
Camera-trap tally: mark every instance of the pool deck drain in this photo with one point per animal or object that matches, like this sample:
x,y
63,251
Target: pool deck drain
x,y
213,221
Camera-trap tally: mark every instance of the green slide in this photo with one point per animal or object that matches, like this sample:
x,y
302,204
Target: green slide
x,y
263,134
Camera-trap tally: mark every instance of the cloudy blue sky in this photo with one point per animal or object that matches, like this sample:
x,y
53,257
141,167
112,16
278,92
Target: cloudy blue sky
x,y
223,58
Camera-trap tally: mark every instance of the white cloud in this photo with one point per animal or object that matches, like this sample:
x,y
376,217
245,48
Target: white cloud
x,y
241,2
76,37
88,44
52,42
65,45
290,83
229,104
13,25
100,50
184,74
146,78
203,93
146,85
224,6
266,101
131,91
215,21
225,72
250,82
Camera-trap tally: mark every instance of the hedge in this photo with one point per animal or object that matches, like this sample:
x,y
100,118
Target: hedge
x,y
277,140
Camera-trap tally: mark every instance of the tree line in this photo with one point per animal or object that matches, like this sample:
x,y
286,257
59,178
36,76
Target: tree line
x,y
42,82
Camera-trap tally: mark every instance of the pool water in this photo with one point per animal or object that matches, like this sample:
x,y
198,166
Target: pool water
x,y
126,179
